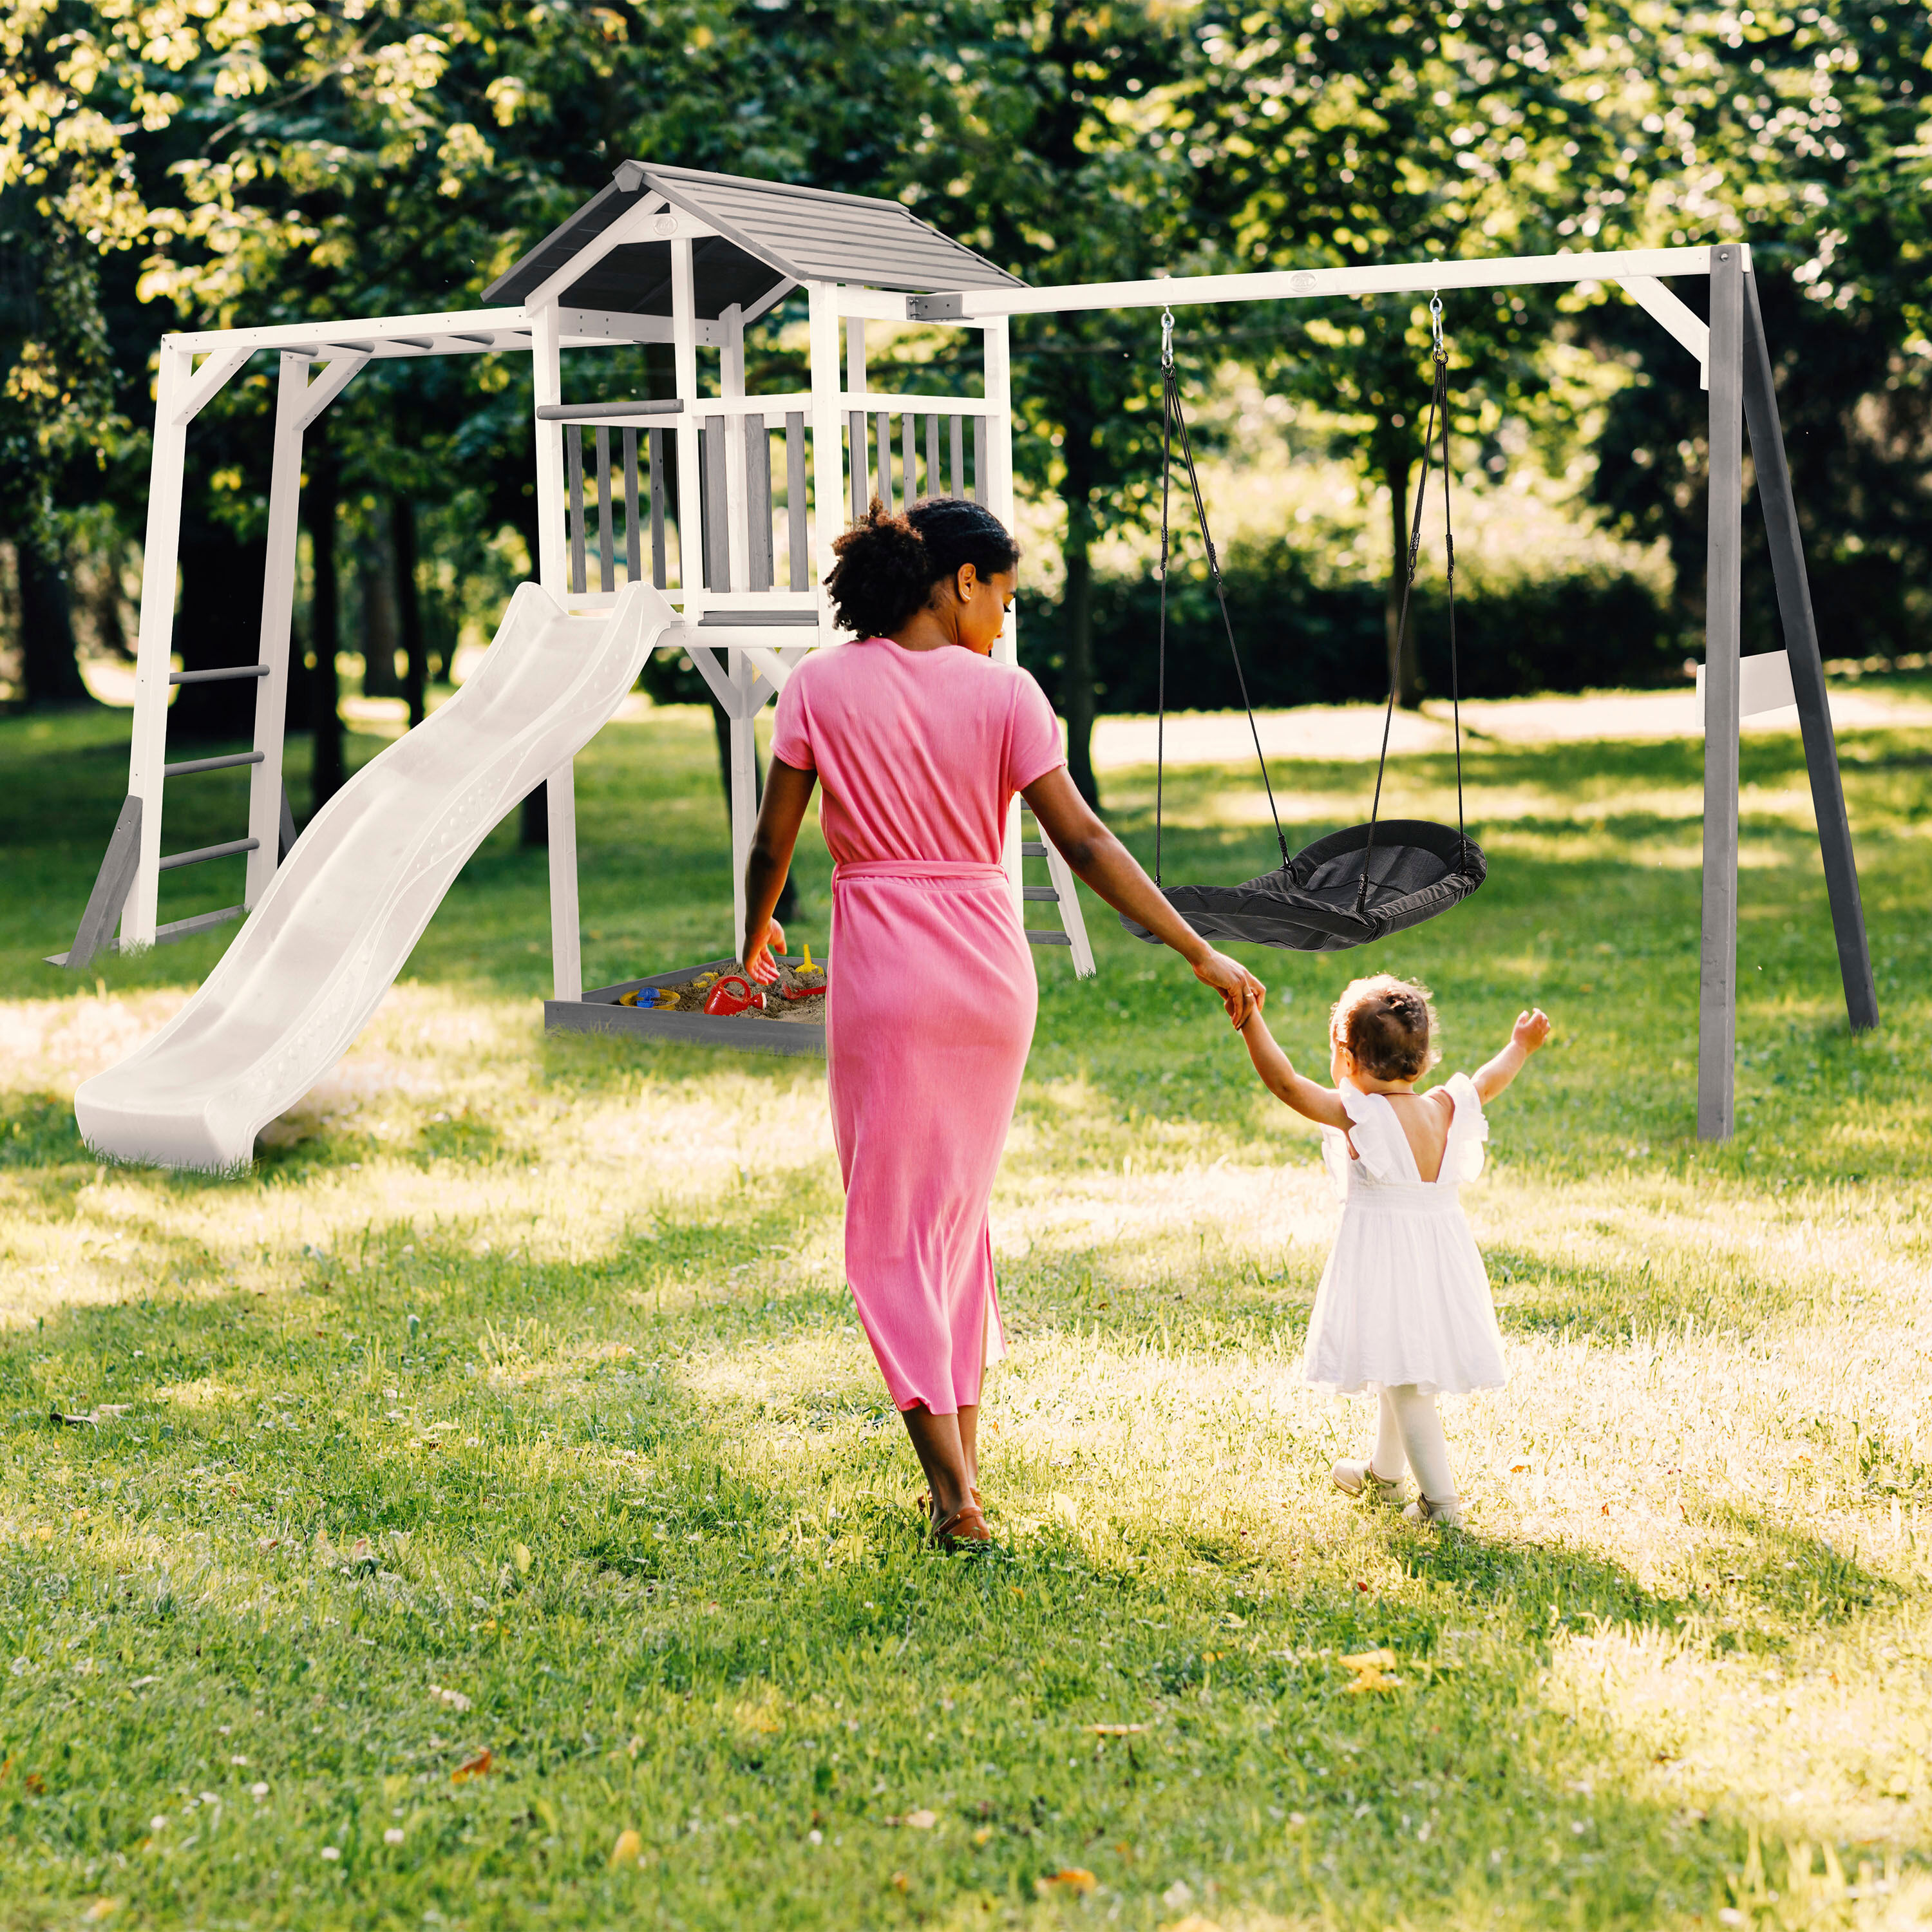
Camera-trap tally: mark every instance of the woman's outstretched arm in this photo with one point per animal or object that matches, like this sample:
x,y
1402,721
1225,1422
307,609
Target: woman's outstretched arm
x,y
1099,858
787,793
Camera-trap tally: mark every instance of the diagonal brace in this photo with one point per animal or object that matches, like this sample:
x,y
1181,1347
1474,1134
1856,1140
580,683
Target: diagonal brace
x,y
112,886
1808,668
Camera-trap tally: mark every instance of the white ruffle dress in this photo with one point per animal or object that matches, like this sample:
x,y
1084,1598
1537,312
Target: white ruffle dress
x,y
1405,1297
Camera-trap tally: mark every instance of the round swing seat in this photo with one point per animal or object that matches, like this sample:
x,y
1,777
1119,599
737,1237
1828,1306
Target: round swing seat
x,y
1416,870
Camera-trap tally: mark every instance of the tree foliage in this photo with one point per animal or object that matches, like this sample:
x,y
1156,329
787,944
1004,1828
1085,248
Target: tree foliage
x,y
275,159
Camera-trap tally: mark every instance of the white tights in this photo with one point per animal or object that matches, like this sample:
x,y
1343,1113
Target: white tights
x,y
1409,1435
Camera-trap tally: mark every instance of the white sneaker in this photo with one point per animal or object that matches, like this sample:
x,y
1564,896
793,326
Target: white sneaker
x,y
1449,1511
1352,1479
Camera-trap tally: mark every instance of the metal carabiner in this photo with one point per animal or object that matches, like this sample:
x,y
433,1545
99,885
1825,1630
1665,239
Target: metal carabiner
x,y
1167,338
1436,323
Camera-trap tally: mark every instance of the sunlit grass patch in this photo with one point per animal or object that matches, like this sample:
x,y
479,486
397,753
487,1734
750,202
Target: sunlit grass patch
x,y
494,1489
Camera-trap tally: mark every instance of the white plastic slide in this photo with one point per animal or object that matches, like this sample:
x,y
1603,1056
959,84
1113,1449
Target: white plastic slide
x,y
310,964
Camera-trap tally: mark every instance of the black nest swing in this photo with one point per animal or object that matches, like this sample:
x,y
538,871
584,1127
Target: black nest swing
x,y
1369,880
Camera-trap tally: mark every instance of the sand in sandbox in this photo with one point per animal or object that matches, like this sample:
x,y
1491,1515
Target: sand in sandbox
x,y
777,1009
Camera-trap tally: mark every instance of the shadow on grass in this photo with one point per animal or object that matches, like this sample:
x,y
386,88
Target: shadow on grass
x,y
616,1574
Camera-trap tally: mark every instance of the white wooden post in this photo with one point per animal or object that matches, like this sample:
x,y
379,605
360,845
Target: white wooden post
x,y
690,494
553,568
552,562
855,381
828,441
278,602
996,493
147,752
744,787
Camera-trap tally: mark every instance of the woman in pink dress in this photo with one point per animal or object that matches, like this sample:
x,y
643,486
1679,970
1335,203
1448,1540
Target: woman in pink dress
x,y
921,740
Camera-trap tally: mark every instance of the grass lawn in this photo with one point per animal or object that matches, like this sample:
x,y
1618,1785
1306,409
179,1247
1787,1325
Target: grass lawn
x,y
494,1519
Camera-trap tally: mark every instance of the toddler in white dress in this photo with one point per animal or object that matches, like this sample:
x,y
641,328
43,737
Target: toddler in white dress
x,y
1404,1305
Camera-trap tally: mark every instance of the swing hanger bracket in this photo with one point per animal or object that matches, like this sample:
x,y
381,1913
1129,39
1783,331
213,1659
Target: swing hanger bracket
x,y
1167,339
1435,324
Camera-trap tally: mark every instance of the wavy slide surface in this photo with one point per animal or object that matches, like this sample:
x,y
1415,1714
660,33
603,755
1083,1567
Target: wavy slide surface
x,y
312,961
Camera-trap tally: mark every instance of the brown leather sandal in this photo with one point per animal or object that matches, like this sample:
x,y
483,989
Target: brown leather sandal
x,y
964,1526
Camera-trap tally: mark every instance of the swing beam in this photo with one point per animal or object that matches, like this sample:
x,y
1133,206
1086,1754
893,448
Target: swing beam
x,y
1735,366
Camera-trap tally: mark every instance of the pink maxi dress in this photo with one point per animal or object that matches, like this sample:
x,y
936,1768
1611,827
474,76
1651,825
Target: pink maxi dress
x,y
932,999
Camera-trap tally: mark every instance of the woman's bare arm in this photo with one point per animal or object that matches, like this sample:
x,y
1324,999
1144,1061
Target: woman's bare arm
x,y
787,793
1322,1105
1099,858
1531,1031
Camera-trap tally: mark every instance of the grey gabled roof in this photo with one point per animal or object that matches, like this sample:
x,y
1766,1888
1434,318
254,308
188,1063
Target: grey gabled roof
x,y
769,232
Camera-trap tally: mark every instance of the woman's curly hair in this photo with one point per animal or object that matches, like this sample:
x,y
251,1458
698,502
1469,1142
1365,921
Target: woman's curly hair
x,y
1388,1024
888,564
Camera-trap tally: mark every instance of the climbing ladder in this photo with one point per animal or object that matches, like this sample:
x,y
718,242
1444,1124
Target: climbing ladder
x,y
1071,929
127,889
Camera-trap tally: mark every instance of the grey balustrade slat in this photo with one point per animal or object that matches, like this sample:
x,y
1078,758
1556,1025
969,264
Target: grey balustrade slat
x,y
978,459
801,563
188,766
885,439
607,568
959,441
634,562
660,567
758,504
858,464
908,456
717,543
573,464
935,483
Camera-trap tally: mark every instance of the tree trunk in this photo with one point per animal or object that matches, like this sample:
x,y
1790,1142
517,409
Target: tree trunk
x,y
375,588
220,626
326,773
1406,674
408,607
49,671
1076,690
1076,612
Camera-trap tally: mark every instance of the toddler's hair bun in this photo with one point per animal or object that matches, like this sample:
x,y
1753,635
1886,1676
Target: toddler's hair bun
x,y
1388,1024
888,563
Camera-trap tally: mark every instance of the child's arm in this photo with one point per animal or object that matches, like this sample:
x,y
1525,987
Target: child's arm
x,y
1322,1104
1531,1031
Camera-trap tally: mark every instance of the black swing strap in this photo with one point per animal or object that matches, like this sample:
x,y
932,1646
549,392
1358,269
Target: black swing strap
x,y
1175,420
1438,412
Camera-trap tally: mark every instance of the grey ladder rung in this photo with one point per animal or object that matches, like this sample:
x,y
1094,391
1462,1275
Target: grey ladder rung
x,y
221,764
591,413
195,858
216,676
1032,848
1036,937
1040,893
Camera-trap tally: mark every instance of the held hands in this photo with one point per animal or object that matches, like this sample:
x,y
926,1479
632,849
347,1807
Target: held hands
x,y
1241,993
758,944
1531,1031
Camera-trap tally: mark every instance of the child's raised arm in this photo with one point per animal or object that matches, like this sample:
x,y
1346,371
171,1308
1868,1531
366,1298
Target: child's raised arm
x,y
1531,1031
1321,1104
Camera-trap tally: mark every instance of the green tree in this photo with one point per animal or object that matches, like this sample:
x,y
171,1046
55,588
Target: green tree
x,y
1343,133
1802,132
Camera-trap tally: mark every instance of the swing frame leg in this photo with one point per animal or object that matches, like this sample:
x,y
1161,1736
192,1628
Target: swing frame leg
x,y
1800,627
1717,958
1742,395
